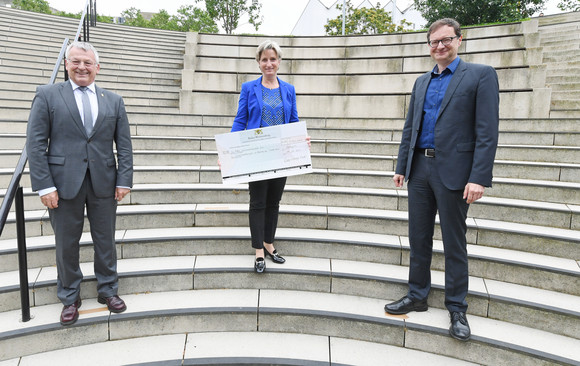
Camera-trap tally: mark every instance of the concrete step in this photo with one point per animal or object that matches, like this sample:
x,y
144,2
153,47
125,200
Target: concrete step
x,y
387,50
564,172
513,104
567,104
565,113
10,75
198,348
518,189
61,27
173,123
387,146
565,87
486,298
351,65
534,239
131,74
567,96
284,312
352,84
15,51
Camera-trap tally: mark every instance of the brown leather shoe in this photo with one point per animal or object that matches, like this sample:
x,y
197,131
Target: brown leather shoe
x,y
70,313
114,303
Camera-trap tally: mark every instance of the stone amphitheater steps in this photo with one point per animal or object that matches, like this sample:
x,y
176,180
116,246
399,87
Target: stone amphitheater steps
x,y
500,300
255,348
561,53
526,237
523,253
511,188
284,311
531,255
557,215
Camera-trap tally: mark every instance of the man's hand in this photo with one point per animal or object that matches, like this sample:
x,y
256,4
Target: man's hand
x,y
50,200
473,192
120,193
398,179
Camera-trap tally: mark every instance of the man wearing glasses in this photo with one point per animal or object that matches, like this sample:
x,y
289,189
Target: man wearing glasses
x,y
71,130
446,155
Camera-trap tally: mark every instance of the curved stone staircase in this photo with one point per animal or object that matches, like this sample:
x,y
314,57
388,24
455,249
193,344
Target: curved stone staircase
x,y
185,262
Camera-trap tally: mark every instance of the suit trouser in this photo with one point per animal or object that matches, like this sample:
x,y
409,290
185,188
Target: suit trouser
x,y
265,196
67,222
427,195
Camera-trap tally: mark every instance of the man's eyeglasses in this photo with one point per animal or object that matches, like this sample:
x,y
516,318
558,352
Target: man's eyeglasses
x,y
445,41
77,63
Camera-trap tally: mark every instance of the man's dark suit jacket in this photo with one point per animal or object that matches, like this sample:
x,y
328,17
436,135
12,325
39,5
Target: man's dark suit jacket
x,y
60,152
466,131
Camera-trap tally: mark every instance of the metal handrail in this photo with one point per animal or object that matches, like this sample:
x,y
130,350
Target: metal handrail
x,y
14,191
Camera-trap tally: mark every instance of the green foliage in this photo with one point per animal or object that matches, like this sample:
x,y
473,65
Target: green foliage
x,y
472,12
363,21
192,19
229,12
39,6
100,18
161,20
569,5
104,18
134,17
188,19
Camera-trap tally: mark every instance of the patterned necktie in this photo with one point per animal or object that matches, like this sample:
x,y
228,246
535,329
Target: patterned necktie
x,y
87,113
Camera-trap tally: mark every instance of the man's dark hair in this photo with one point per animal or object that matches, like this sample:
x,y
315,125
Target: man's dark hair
x,y
445,21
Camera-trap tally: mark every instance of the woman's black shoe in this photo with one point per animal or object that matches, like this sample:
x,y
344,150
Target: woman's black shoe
x,y
260,265
274,256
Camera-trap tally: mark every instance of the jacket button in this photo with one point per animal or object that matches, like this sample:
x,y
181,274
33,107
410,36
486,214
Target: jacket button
x,y
85,160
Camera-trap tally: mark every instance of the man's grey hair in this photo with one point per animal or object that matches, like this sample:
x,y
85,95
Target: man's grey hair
x,y
268,45
83,46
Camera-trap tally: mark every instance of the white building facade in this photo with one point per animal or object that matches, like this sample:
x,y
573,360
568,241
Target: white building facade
x,y
318,12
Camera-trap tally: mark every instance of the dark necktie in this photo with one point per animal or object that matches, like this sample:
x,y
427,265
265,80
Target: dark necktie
x,y
87,113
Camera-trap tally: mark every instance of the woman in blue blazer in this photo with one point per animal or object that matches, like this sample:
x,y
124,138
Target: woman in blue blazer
x,y
266,101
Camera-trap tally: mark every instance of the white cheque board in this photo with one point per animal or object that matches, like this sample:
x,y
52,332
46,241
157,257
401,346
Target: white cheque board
x,y
264,153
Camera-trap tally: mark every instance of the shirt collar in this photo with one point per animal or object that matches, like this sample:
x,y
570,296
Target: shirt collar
x,y
91,87
452,67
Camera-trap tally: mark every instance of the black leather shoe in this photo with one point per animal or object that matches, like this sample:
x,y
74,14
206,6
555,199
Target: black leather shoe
x,y
459,328
260,265
114,303
405,305
275,257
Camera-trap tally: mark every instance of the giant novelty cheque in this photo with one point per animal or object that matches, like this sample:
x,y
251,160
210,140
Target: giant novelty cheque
x,y
264,153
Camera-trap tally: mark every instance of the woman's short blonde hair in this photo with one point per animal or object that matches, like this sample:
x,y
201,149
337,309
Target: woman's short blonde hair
x,y
268,45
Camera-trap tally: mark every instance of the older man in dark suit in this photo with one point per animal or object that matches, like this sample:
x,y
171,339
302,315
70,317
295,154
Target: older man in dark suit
x,y
71,131
446,154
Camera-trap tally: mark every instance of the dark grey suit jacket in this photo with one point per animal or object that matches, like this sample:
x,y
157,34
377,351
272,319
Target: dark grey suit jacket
x,y
60,152
466,131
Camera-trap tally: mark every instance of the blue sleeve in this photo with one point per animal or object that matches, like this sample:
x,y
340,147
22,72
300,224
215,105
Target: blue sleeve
x,y
294,113
241,119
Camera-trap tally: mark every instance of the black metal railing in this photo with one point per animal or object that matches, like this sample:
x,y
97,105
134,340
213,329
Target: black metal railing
x,y
14,192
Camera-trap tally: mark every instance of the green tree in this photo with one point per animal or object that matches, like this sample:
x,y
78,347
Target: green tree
x,y
229,12
569,5
39,6
100,18
192,19
134,17
472,12
363,21
161,20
